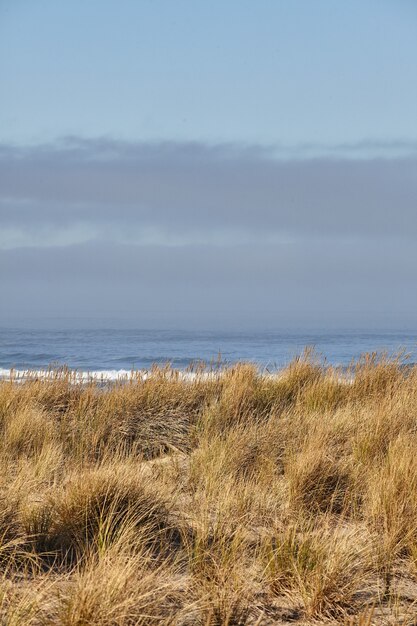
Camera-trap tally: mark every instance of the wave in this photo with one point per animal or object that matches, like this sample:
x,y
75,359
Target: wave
x,y
99,376
77,374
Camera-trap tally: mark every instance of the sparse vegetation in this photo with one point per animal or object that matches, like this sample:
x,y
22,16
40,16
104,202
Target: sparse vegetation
x,y
218,498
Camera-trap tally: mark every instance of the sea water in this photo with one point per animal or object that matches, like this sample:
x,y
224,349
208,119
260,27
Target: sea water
x,y
117,351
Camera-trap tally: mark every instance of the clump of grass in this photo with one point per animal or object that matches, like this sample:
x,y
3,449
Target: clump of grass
x,y
20,602
245,453
9,520
378,375
391,505
322,567
12,538
325,393
27,431
317,481
116,589
216,555
95,507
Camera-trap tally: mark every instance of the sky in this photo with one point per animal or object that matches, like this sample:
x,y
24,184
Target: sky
x,y
196,164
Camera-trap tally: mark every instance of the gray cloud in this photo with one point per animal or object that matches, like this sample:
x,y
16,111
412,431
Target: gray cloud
x,y
194,235
179,192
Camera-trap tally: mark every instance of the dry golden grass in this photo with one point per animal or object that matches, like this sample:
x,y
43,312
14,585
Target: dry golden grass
x,y
232,498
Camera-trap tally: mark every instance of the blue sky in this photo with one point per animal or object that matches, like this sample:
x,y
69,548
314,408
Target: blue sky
x,y
272,71
208,163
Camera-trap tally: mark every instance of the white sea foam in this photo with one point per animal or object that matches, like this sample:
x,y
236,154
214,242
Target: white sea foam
x,y
99,375
76,374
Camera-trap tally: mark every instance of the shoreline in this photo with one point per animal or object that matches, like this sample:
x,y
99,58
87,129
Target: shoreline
x,y
338,373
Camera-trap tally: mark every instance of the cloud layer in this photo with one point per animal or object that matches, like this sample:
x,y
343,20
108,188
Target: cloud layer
x,y
190,233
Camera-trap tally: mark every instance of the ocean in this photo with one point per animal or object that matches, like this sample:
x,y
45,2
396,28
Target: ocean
x,y
116,352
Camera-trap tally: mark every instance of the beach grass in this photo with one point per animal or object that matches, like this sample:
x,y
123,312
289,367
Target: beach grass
x,y
219,498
